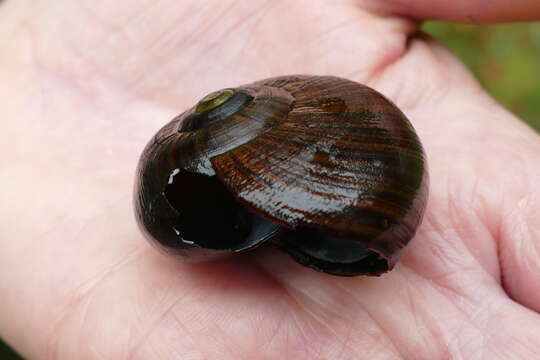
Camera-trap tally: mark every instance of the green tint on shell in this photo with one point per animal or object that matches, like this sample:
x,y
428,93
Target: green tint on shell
x,y
214,100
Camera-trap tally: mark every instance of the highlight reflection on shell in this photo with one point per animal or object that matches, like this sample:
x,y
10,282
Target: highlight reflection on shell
x,y
325,168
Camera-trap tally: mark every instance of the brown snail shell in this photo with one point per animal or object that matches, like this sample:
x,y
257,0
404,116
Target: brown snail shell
x,y
327,169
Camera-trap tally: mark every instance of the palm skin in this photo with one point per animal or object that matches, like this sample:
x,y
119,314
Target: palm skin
x,y
88,83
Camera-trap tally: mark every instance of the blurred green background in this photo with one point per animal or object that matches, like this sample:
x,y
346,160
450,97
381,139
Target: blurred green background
x,y
505,58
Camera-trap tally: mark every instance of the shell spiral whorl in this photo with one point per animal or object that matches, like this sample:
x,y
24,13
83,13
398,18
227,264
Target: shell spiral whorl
x,y
325,168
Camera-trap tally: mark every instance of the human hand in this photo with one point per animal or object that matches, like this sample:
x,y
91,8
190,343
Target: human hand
x,y
86,84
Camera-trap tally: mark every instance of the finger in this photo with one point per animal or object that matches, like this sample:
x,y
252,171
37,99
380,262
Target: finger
x,y
520,244
462,10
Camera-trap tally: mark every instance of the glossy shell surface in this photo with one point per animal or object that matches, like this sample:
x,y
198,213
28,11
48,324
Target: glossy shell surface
x,y
325,168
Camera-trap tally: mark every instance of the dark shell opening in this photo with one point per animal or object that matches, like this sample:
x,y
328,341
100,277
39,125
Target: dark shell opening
x,y
210,217
331,254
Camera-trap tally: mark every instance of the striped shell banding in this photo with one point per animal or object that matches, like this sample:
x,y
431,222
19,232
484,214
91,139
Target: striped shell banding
x,y
326,169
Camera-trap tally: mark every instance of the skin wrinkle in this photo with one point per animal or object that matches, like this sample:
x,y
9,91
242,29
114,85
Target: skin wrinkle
x,y
274,334
215,324
435,331
332,314
452,342
449,205
119,26
140,82
228,349
301,325
49,68
482,331
476,350
447,292
442,279
282,321
83,318
445,276
136,80
376,321
435,49
186,330
192,38
531,263
98,353
206,28
329,32
416,315
165,38
106,80
77,89
251,41
299,320
298,323
392,57
515,234
385,331
308,301
79,297
242,21
456,215
324,323
198,341
287,343
500,258
505,237
113,28
313,317
154,325
172,312
253,18
410,101
495,331
168,58
493,228
346,342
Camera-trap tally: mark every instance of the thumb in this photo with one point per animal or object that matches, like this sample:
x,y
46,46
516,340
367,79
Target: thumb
x,y
462,10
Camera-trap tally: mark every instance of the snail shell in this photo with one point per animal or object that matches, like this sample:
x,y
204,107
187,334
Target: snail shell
x,y
325,168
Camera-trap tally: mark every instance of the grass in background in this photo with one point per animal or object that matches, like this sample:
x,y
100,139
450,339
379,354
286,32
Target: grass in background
x,y
504,58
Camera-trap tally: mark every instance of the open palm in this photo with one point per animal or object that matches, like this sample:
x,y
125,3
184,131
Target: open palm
x,y
86,83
